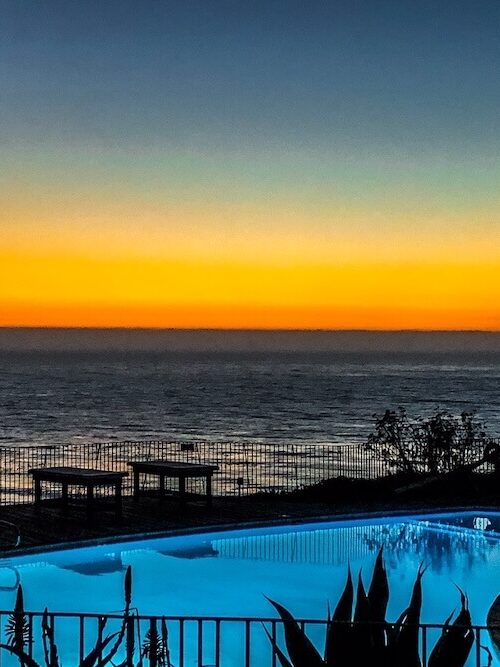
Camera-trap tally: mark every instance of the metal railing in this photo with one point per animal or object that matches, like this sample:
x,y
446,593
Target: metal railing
x,y
244,467
192,641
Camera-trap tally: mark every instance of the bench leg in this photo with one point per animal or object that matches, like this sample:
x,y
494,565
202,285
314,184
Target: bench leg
x,y
118,500
136,485
209,490
90,499
64,497
38,495
182,490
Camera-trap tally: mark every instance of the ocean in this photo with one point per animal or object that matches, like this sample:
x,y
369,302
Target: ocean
x,y
293,387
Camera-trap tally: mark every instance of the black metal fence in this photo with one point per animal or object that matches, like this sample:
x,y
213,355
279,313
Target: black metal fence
x,y
193,641
244,467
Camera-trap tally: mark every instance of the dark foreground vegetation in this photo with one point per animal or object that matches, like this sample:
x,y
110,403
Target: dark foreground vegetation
x,y
438,444
400,491
357,633
438,460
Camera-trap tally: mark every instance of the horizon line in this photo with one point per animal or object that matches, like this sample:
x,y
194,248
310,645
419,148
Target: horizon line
x,y
42,327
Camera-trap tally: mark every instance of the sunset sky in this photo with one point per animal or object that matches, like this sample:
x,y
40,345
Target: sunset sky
x,y
250,164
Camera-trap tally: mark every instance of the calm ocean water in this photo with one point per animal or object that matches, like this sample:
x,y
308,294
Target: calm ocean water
x,y
67,395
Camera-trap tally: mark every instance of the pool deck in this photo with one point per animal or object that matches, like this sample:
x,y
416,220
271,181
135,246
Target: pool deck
x,y
53,527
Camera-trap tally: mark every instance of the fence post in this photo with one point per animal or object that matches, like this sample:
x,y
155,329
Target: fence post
x,y
200,642
424,646
247,642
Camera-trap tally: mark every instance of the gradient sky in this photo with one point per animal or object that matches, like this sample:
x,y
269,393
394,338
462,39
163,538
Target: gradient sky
x,y
250,164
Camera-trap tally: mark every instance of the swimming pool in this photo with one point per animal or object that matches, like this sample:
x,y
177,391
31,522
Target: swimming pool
x,y
303,566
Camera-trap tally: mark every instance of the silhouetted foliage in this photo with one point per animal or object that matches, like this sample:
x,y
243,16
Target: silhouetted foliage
x,y
155,645
18,633
358,634
437,444
17,630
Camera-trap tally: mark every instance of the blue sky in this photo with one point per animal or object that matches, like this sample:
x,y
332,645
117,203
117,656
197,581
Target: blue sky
x,y
361,75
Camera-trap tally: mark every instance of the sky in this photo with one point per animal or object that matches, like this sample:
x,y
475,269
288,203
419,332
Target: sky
x,y
226,164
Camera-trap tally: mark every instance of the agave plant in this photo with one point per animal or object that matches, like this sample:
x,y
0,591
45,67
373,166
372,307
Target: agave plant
x,y
18,635
17,630
358,634
155,647
456,641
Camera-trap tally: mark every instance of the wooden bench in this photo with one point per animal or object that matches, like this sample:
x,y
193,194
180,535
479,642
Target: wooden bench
x,y
87,477
180,471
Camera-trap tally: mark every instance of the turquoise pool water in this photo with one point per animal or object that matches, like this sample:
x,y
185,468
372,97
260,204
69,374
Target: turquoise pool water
x,y
230,573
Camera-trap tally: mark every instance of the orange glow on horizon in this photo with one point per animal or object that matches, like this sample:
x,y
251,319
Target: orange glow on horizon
x,y
244,317
79,291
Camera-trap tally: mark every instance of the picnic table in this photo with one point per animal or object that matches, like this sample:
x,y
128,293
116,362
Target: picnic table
x,y
86,477
180,471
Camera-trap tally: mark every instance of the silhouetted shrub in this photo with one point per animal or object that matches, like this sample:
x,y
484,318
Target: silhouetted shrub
x,y
437,444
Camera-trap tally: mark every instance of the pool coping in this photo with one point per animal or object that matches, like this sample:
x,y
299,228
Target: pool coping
x,y
283,520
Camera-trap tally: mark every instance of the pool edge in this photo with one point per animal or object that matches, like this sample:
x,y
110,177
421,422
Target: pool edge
x,y
283,520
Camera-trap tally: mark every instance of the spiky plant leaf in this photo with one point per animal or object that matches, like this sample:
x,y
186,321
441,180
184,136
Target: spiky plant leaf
x,y
362,642
403,647
127,594
46,651
378,598
456,640
118,636
378,592
130,642
26,659
128,588
132,625
49,645
93,657
339,629
283,660
17,629
151,647
362,607
489,655
300,648
328,624
154,647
